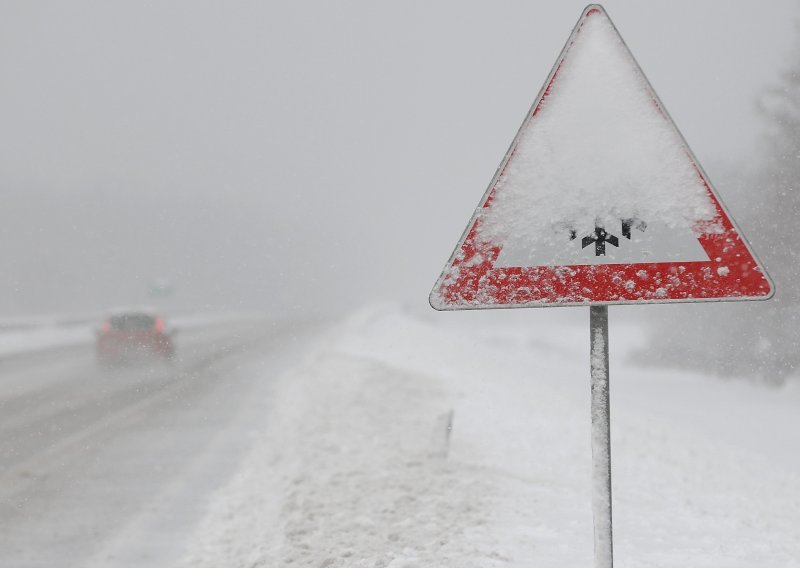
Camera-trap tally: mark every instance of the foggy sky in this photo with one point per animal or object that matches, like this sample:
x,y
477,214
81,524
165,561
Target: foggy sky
x,y
308,156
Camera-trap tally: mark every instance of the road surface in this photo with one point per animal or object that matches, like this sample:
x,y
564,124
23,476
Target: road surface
x,y
114,467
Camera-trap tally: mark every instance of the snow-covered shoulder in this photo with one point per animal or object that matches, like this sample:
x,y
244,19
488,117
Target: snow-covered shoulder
x,y
413,442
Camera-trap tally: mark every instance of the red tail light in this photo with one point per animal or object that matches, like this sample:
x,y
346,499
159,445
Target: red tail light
x,y
106,327
160,325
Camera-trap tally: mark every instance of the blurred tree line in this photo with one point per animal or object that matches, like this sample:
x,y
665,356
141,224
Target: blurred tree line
x,y
755,339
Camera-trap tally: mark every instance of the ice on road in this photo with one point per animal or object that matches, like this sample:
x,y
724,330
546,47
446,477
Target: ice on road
x,y
352,469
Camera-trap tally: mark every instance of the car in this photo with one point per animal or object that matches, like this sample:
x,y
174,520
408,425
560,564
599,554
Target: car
x,y
133,336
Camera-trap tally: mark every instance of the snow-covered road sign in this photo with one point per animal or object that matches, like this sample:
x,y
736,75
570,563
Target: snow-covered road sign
x,y
599,200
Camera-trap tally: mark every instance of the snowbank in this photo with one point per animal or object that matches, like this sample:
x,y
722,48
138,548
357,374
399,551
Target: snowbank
x,y
353,467
40,338
26,335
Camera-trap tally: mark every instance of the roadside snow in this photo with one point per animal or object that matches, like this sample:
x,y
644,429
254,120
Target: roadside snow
x,y
350,469
25,335
40,338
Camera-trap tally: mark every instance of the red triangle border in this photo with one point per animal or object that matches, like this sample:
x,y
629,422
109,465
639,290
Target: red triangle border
x,y
471,280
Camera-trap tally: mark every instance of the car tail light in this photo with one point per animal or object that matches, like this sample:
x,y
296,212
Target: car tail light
x,y
160,325
106,327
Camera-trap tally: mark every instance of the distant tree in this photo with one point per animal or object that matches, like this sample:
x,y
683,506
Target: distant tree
x,y
775,214
760,339
775,221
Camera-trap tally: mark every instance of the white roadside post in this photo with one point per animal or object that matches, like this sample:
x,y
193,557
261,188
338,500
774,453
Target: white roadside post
x,y
599,200
601,438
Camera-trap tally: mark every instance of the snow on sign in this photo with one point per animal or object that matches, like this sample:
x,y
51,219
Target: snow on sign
x,y
599,200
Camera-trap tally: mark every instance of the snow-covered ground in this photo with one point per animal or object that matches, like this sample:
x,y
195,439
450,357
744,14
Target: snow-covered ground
x,y
25,335
353,466
38,338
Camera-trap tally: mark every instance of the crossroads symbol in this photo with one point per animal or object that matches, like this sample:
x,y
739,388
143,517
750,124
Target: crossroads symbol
x,y
600,236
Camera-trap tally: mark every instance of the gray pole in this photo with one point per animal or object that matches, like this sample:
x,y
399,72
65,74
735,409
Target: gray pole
x,y
601,438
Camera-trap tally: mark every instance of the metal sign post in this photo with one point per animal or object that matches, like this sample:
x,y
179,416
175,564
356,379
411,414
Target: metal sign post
x,y
601,438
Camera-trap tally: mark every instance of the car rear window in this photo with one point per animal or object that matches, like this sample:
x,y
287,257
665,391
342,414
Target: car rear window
x,y
129,322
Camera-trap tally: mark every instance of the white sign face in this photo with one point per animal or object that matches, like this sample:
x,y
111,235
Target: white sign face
x,y
632,244
598,200
601,151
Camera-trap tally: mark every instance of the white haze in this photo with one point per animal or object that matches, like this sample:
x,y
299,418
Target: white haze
x,y
306,156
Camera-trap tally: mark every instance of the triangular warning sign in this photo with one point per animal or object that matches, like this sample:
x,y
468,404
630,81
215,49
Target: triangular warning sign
x,y
599,200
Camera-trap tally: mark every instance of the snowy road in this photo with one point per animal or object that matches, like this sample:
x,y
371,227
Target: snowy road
x,y
104,467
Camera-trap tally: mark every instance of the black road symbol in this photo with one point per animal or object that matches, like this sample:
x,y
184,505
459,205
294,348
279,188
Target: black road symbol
x,y
600,237
635,223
